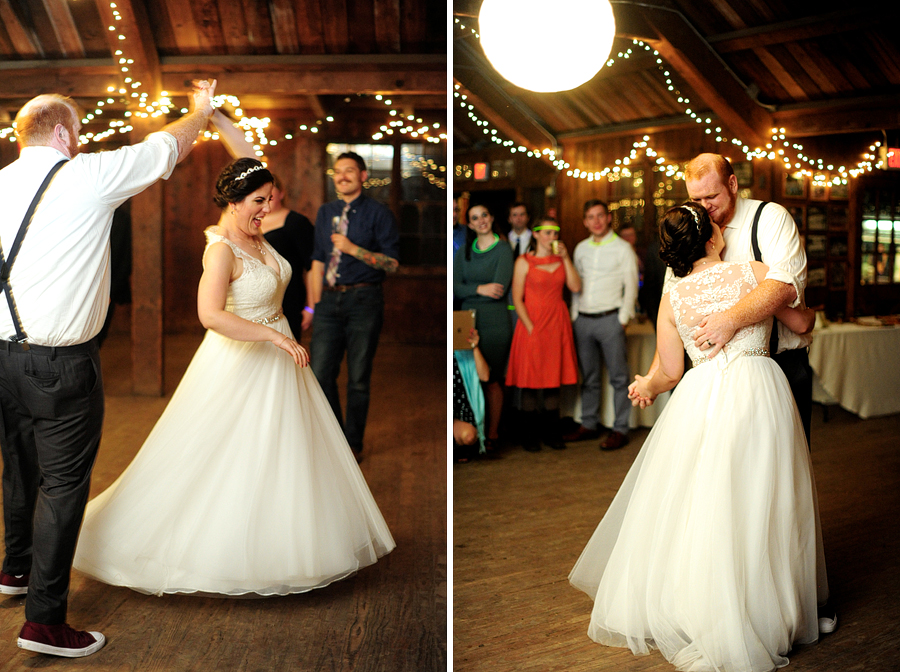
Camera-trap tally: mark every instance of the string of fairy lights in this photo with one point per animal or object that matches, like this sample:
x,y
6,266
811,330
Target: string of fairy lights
x,y
779,148
130,92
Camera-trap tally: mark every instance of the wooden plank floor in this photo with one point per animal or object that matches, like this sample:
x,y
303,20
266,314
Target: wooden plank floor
x,y
520,523
390,617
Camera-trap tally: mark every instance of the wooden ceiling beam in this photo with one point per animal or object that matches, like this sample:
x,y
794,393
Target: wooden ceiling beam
x,y
315,104
64,27
181,21
387,25
335,26
318,75
807,28
326,81
484,110
285,26
308,25
708,76
839,116
130,21
22,38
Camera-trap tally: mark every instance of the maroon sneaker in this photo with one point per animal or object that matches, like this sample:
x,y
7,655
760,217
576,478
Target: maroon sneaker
x,y
13,585
59,640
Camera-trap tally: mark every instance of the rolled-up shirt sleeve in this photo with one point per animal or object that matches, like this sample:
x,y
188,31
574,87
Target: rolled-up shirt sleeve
x,y
120,174
784,255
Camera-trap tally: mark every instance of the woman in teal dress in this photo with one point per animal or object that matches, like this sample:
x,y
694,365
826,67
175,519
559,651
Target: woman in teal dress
x,y
482,272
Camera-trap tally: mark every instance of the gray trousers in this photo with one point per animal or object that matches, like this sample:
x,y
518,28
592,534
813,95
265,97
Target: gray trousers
x,y
601,340
52,415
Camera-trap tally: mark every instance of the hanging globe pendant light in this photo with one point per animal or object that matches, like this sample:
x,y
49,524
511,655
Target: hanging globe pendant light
x,y
547,45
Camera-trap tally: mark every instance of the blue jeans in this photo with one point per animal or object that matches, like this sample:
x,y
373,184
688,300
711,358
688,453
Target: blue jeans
x,y
347,321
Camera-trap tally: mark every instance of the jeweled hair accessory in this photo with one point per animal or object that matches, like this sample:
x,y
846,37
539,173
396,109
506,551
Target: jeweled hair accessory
x,y
247,172
694,214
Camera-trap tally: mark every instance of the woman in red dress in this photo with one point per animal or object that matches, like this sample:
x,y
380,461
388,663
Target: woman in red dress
x,y
542,357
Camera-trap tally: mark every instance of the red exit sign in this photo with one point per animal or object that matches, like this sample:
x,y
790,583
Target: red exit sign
x,y
893,157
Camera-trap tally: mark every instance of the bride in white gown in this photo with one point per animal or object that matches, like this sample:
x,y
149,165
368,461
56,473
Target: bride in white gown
x,y
711,551
246,484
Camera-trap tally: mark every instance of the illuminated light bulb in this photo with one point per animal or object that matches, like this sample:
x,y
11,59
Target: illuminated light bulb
x,y
543,66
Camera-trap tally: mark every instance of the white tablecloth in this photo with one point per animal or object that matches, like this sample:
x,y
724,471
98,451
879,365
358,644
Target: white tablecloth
x,y
857,367
641,344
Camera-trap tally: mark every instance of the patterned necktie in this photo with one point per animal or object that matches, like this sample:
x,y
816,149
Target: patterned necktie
x,y
338,225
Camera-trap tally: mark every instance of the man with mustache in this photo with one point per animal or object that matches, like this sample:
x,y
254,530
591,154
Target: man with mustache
x,y
356,243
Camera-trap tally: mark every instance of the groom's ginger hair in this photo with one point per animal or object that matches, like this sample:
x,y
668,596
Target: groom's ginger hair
x,y
703,164
39,116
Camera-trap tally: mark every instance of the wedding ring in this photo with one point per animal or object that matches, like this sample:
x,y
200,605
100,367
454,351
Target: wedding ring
x,y
709,344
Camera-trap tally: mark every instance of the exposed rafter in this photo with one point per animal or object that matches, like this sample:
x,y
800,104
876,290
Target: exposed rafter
x,y
131,22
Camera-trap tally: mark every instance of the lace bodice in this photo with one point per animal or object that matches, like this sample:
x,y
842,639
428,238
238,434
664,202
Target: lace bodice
x,y
257,293
715,290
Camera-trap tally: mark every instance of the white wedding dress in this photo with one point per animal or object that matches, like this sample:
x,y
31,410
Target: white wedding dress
x,y
711,551
246,484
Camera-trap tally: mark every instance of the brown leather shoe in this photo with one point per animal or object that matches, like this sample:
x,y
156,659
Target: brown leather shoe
x,y
581,434
614,441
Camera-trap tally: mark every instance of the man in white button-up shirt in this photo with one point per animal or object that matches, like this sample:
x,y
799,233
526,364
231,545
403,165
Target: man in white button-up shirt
x,y
606,304
711,183
51,392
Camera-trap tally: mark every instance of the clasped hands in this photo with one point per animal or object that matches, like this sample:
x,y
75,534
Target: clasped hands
x,y
713,332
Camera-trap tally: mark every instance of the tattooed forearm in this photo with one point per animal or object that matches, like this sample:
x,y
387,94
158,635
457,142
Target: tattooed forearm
x,y
377,260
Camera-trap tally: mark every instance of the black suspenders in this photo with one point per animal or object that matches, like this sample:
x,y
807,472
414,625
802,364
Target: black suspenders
x,y
7,262
773,341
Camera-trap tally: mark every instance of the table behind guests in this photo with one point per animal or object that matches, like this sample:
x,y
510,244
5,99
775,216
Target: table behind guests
x,y
857,366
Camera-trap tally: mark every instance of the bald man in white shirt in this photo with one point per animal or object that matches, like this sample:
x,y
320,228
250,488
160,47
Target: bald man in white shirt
x,y
51,391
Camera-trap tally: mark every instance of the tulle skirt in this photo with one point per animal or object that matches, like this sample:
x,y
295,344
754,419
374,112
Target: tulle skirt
x,y
246,485
712,551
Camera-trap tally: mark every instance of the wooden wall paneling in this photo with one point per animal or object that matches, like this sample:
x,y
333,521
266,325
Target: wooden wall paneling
x,y
300,165
189,210
147,281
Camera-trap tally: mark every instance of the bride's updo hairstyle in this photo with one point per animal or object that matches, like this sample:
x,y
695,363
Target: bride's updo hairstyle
x,y
683,233
239,179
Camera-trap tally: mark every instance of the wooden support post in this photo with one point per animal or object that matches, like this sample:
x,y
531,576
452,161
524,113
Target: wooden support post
x,y
147,282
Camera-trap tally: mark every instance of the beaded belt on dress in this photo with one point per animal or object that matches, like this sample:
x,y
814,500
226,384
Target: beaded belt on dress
x,y
271,318
753,352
